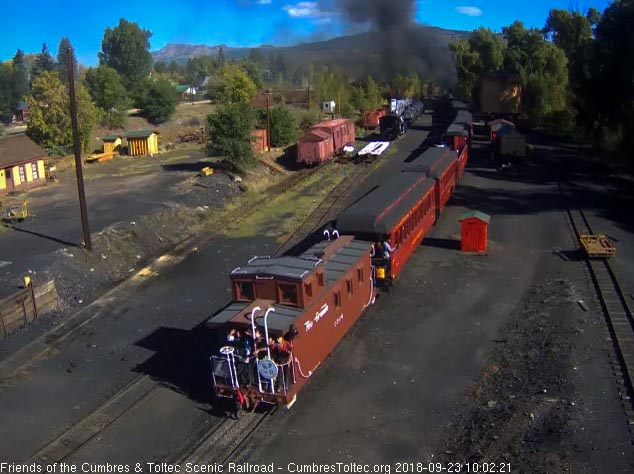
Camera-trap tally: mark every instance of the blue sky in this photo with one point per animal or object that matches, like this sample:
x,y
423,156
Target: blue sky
x,y
235,22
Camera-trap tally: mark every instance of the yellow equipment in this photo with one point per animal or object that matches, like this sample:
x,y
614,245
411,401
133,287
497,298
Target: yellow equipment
x,y
16,213
598,246
206,171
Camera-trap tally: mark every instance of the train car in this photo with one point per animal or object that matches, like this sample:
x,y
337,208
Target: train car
x,y
400,211
315,147
456,138
457,105
392,126
371,118
302,307
324,140
441,165
341,130
464,117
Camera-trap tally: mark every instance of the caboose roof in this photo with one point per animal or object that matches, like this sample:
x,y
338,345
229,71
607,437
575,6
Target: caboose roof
x,y
292,268
337,257
381,209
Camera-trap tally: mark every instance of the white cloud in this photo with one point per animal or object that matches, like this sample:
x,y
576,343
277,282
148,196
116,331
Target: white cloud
x,y
471,11
304,10
264,2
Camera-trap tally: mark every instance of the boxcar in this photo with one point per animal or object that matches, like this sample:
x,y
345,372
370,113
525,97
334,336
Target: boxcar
x,y
315,147
371,117
310,302
400,211
324,140
440,164
341,130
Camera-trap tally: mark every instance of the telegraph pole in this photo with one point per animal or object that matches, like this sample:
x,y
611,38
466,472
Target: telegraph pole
x,y
268,121
77,147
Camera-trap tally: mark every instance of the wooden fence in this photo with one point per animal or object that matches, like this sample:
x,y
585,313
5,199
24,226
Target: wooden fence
x,y
26,305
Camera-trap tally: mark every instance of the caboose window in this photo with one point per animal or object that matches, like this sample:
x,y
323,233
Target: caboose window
x,y
349,286
320,279
337,299
360,274
246,290
288,293
309,289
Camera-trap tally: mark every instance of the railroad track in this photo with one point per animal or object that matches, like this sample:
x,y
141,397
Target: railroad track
x,y
616,308
139,390
328,209
223,443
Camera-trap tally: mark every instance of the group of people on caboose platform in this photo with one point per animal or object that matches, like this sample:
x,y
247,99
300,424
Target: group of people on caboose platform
x,y
249,346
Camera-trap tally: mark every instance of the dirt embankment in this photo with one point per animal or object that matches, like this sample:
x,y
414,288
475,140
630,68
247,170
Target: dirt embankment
x,y
531,407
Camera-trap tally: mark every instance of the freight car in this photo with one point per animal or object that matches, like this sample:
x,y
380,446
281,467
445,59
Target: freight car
x,y
324,140
371,118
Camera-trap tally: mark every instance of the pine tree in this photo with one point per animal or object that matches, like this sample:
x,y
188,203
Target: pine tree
x,y
43,62
66,48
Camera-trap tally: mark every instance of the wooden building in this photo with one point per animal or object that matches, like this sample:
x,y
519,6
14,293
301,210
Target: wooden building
x,y
111,142
260,141
21,164
142,142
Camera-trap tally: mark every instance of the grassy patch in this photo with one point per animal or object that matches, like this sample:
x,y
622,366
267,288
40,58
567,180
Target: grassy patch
x,y
281,214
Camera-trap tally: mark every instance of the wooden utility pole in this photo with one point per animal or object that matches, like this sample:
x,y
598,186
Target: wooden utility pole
x,y
268,122
77,146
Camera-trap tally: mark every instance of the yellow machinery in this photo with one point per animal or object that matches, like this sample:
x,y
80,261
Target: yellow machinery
x,y
16,213
597,246
206,171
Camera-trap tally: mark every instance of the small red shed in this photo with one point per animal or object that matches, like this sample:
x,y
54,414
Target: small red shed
x,y
475,225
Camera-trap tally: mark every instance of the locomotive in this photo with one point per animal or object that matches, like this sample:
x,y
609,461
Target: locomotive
x,y
288,313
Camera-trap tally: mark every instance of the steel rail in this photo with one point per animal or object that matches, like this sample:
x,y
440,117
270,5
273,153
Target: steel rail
x,y
616,309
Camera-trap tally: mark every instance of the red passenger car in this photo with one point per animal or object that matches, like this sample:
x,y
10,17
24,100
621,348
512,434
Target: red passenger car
x,y
440,164
457,138
302,306
324,140
400,211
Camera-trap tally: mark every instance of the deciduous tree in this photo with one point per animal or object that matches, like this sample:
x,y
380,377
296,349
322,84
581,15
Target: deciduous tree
x,y
158,100
125,48
105,88
49,123
233,85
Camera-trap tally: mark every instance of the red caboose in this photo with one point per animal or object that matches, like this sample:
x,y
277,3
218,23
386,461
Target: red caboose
x,y
475,226
288,314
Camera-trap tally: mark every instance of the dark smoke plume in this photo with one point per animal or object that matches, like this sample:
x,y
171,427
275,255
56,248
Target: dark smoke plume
x,y
404,45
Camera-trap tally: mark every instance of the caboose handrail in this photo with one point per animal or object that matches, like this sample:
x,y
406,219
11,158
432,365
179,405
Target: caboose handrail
x,y
263,257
